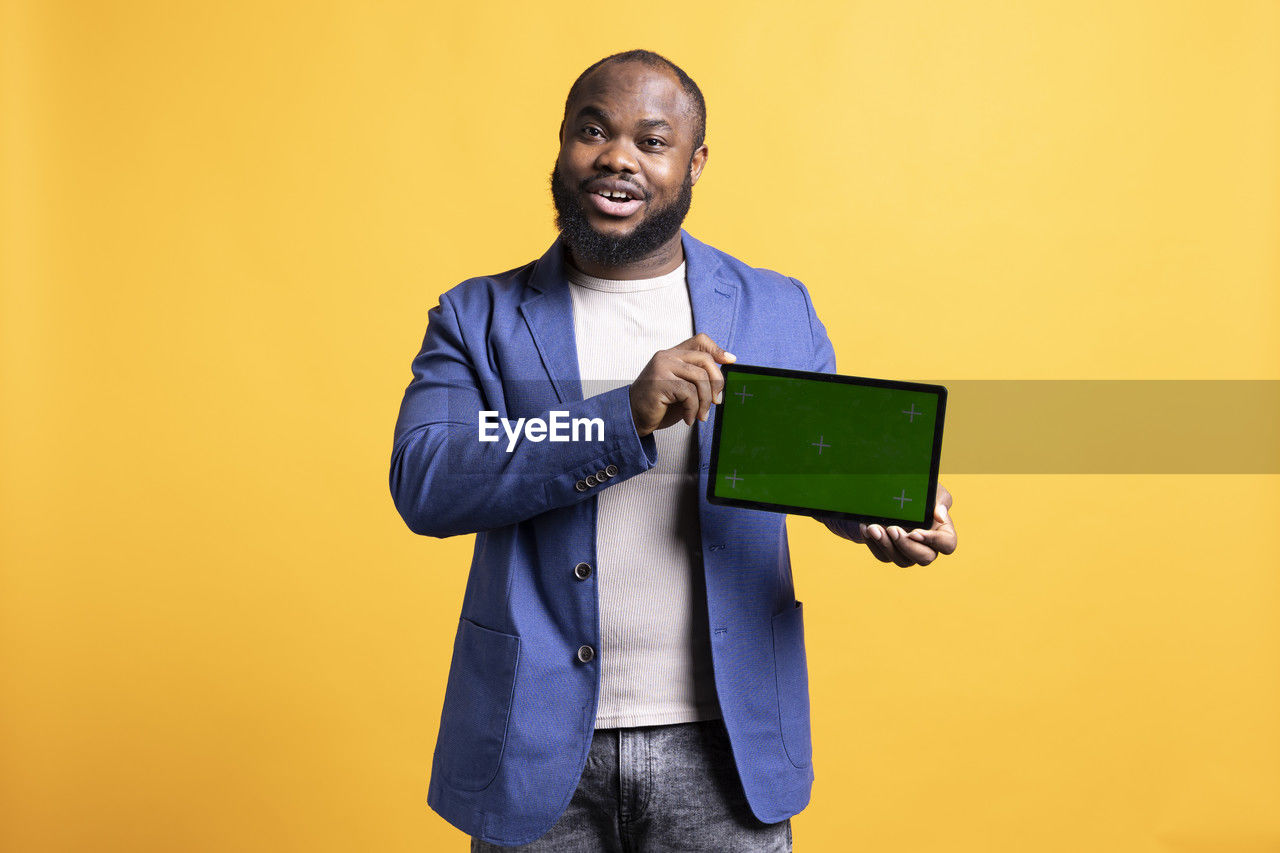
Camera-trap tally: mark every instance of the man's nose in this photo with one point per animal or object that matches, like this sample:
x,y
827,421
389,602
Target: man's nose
x,y
617,155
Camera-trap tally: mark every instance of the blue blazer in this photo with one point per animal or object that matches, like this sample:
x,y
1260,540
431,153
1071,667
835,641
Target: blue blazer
x,y
520,705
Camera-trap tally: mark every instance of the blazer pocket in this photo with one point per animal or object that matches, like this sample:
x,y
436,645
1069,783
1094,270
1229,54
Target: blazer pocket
x,y
792,673
477,705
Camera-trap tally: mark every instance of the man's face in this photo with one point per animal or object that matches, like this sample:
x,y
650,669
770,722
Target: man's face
x,y
624,179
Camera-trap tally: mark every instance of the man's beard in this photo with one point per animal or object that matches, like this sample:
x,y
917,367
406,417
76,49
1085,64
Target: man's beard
x,y
588,244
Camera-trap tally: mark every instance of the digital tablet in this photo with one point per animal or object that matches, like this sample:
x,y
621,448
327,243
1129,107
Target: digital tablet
x,y
824,444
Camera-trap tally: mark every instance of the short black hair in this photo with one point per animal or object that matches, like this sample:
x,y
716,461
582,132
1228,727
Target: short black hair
x,y
653,60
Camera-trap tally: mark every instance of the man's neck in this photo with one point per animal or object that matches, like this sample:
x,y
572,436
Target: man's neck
x,y
665,259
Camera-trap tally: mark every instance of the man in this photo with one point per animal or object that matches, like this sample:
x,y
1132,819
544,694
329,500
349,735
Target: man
x,y
629,668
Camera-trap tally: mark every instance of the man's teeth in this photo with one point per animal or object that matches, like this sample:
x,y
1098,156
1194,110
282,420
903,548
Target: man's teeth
x,y
617,195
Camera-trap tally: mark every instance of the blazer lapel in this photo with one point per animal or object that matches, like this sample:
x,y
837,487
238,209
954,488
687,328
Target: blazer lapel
x,y
548,313
714,297
712,293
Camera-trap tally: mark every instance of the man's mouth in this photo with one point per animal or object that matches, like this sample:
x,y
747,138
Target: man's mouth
x,y
615,200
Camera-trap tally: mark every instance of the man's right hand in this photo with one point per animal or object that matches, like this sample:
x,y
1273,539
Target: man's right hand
x,y
679,384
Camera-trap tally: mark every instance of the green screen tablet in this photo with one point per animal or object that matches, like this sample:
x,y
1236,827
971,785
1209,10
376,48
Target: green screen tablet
x,y
821,443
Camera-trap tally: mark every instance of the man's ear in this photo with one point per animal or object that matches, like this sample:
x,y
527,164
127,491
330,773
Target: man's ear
x,y
696,163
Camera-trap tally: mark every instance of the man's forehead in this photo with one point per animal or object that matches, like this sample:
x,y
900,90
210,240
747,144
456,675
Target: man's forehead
x,y
635,88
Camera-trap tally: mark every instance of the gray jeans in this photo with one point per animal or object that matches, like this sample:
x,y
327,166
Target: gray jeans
x,y
658,789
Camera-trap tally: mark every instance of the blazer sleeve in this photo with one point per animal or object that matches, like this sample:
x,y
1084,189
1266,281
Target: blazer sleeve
x,y
445,481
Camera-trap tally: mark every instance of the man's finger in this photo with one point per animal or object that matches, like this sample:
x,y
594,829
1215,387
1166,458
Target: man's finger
x,y
942,541
694,374
702,341
708,364
941,511
872,538
919,554
688,400
942,536
680,399
900,559
878,551
878,543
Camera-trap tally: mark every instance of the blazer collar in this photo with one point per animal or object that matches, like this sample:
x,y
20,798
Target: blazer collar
x,y
548,309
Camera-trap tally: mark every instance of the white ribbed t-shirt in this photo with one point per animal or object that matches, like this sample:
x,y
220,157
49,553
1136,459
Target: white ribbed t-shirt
x,y
655,645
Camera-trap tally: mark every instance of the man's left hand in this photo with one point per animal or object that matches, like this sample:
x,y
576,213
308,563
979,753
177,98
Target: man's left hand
x,y
920,547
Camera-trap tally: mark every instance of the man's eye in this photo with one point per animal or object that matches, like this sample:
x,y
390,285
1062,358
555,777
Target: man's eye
x,y
654,142
592,131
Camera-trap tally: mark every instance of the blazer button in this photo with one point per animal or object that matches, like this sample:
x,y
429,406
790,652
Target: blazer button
x,y
586,653
582,571
581,485
612,470
601,476
591,480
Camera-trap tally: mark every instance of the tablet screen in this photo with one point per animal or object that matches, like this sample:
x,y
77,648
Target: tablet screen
x,y
810,443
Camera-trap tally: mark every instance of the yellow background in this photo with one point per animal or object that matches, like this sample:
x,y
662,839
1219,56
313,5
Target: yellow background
x,y
223,227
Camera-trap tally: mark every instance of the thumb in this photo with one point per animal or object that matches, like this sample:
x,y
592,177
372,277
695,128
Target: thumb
x,y
940,513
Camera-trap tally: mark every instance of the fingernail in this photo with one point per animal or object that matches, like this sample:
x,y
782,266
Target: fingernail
x,y
875,533
719,397
895,533
916,535
730,356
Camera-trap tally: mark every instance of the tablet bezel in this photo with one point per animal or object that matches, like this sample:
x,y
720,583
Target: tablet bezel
x,y
727,370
